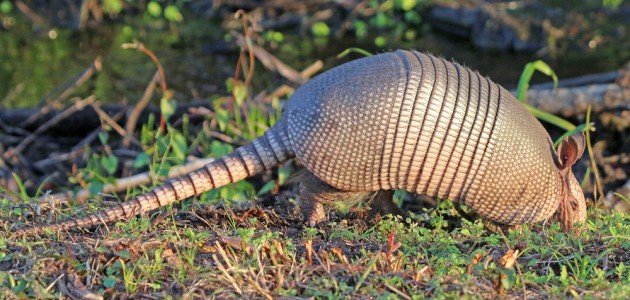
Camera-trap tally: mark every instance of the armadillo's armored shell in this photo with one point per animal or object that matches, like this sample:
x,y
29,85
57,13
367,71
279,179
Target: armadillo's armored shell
x,y
411,121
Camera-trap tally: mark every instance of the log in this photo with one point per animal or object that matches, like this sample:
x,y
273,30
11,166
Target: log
x,y
81,124
573,101
604,92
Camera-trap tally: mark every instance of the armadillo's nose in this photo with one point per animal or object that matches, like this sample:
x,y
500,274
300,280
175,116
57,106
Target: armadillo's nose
x,y
571,213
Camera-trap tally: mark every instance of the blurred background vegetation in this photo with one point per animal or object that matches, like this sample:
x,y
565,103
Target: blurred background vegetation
x,y
43,43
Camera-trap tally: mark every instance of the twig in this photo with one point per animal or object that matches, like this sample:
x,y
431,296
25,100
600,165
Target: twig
x,y
307,73
30,14
79,105
10,129
69,87
140,47
589,148
140,106
248,42
125,183
107,119
88,119
397,291
269,61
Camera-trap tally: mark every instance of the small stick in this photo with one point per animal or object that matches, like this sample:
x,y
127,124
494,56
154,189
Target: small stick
x,y
14,130
140,106
79,105
248,41
269,61
107,119
307,73
35,18
140,47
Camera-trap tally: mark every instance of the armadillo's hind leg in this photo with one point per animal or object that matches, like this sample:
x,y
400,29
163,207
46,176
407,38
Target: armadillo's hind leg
x,y
383,202
315,193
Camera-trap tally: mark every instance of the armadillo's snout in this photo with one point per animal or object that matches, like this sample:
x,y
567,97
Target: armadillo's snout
x,y
576,201
572,205
579,208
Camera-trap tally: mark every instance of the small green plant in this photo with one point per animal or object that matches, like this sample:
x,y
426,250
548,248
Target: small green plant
x,y
612,4
320,29
170,12
388,21
6,7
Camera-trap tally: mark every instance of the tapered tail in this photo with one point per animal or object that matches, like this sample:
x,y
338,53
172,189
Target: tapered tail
x,y
261,154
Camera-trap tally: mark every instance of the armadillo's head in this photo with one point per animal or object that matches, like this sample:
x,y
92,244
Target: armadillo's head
x,y
572,207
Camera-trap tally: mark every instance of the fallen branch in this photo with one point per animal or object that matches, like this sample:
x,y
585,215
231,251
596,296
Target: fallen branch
x,y
78,149
79,105
121,184
87,120
574,101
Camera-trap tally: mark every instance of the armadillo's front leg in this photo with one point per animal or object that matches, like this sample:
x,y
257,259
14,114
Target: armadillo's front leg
x,y
315,193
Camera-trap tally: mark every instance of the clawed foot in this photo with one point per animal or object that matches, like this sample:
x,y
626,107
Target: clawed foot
x,y
499,228
313,212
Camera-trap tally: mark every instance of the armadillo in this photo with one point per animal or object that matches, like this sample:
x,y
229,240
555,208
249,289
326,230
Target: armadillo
x,y
399,120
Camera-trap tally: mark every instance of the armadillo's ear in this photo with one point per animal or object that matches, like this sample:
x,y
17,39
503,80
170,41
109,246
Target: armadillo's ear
x,y
570,150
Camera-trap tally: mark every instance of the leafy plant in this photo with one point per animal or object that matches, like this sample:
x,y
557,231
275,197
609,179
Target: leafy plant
x,y
390,20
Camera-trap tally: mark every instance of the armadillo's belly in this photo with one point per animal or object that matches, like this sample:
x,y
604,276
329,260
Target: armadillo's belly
x,y
411,121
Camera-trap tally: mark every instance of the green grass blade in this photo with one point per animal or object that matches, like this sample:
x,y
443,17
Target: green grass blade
x,y
353,49
526,76
20,184
550,118
598,183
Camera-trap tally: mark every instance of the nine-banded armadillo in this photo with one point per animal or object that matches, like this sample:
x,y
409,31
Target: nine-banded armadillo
x,y
400,120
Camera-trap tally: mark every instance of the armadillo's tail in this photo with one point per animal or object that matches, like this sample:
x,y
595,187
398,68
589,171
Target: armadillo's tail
x,y
261,154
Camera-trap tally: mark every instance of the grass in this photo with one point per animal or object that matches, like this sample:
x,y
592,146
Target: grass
x,y
263,251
